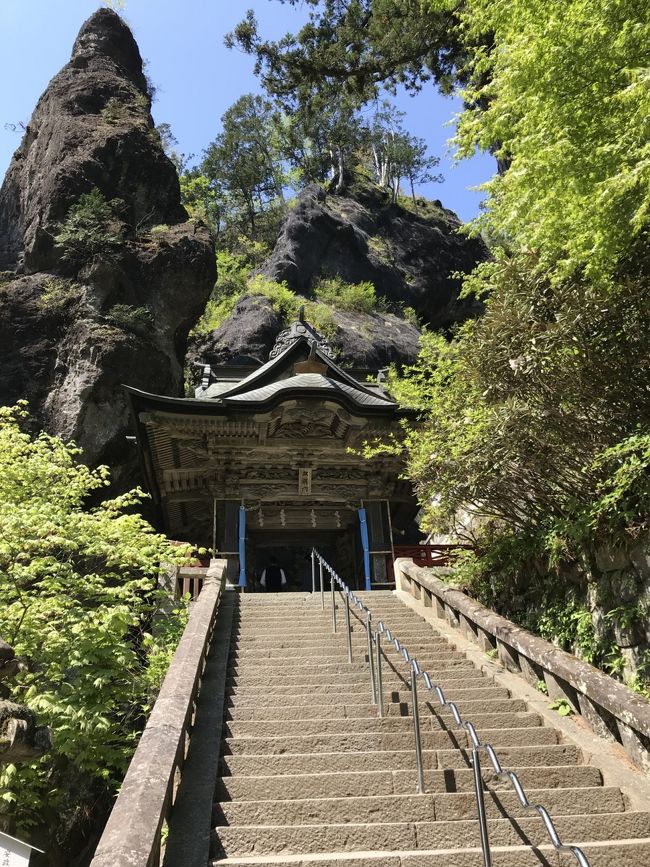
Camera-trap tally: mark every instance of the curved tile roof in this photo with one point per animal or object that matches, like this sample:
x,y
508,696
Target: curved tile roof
x,y
309,381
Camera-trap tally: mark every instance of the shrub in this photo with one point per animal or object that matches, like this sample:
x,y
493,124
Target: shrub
x,y
79,588
57,294
137,319
321,317
358,297
91,227
115,111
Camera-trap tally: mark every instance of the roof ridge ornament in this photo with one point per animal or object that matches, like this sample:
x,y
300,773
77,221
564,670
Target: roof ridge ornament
x,y
312,365
300,328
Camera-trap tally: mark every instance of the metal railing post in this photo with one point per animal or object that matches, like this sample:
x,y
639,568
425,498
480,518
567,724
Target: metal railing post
x,y
416,731
322,589
333,601
313,571
371,660
348,629
380,686
480,805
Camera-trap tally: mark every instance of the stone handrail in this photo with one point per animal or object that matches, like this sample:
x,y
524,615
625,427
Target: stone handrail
x,y
612,709
132,837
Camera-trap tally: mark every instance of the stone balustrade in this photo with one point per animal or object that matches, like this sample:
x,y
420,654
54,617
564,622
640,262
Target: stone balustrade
x,y
132,837
612,709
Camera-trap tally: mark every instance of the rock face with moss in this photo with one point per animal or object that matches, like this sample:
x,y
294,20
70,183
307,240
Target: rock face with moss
x,y
407,255
360,339
411,255
102,276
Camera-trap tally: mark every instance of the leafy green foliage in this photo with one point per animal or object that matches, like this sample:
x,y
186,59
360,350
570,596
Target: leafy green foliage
x,y
91,227
394,155
356,45
200,199
242,164
58,294
118,111
359,297
265,151
136,319
79,590
562,706
521,409
235,280
563,96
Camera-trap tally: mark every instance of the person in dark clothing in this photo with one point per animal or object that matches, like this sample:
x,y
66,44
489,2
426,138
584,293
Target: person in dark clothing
x,y
273,578
306,572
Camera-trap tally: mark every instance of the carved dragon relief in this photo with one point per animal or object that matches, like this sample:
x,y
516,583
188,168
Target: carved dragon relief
x,y
300,422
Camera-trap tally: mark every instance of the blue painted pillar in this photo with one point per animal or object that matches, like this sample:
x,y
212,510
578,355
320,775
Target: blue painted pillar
x,y
363,526
242,546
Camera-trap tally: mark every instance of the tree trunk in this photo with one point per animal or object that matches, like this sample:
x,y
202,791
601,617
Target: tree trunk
x,y
341,170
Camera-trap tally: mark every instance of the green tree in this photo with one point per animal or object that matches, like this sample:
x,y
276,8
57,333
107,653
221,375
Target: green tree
x,y
393,154
320,138
516,409
91,227
358,45
242,163
79,589
563,92
201,199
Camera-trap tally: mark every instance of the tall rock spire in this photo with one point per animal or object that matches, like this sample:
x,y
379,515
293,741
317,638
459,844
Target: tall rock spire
x,y
92,128
79,319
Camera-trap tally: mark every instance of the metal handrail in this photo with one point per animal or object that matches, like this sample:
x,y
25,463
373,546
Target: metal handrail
x,y
467,725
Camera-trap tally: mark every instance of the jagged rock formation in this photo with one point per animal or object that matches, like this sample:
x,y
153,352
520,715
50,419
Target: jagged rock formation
x,y
90,129
410,258
364,340
76,323
246,337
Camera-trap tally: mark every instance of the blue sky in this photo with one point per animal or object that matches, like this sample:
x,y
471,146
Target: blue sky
x,y
196,76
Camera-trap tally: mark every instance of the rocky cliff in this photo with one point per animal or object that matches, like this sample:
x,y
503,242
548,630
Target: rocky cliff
x,y
410,254
364,340
103,276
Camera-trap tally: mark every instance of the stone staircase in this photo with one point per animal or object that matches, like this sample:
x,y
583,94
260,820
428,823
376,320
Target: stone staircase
x,y
309,773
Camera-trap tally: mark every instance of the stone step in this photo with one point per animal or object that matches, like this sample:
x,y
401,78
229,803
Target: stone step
x,y
244,697
460,671
357,711
268,647
339,661
236,841
537,736
322,621
391,723
439,807
614,853
279,654
447,759
347,784
305,597
322,628
406,631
